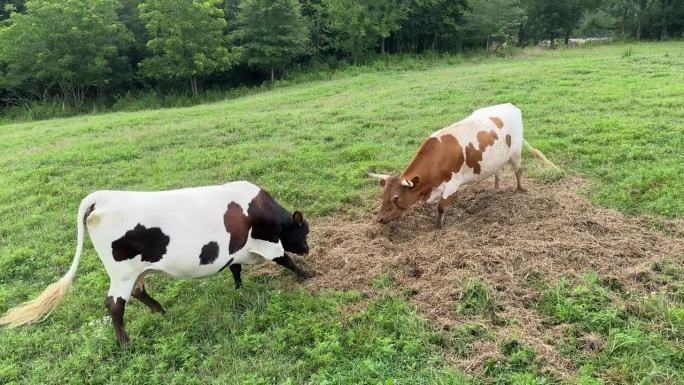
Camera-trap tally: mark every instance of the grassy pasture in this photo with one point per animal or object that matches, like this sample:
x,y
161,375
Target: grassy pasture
x,y
613,114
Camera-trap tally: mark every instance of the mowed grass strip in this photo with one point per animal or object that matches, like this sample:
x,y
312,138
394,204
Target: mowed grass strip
x,y
613,114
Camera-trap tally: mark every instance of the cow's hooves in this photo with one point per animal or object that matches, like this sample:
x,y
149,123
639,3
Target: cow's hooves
x,y
123,340
304,275
521,190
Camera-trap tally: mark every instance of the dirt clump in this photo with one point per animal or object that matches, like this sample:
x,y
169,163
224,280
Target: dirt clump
x,y
503,238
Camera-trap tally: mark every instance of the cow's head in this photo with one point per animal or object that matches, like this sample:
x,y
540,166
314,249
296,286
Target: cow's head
x,y
293,235
398,195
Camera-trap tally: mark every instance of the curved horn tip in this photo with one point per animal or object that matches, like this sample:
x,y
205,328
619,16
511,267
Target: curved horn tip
x,y
377,176
406,182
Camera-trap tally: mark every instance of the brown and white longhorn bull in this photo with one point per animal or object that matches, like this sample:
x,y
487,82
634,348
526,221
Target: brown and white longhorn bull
x,y
465,152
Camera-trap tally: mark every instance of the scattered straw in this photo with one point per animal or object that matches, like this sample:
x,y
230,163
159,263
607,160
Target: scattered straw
x,y
501,237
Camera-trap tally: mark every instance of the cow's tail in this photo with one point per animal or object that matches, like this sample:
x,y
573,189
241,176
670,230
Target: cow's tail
x,y
540,155
40,307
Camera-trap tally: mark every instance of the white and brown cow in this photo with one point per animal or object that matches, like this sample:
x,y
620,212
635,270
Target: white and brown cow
x,y
187,233
465,152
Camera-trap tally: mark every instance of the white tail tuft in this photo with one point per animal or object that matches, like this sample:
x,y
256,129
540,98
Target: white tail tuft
x,y
39,308
540,155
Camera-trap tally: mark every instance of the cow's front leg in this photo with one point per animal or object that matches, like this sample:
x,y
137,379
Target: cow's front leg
x,y
441,208
236,269
287,262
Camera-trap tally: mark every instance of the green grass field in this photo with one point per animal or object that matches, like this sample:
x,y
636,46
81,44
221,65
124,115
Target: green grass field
x,y
613,115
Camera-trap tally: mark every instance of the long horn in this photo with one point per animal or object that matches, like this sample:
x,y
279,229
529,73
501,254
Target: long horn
x,y
378,176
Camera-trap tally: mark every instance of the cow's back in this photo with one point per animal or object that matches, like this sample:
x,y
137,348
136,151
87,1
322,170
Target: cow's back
x,y
510,117
488,138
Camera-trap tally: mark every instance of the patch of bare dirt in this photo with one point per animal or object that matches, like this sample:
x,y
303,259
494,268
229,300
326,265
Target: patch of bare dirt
x,y
501,237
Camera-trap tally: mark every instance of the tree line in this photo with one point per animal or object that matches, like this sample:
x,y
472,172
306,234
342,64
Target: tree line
x,y
90,49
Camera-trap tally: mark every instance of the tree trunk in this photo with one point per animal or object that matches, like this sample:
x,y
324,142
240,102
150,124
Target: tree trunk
x,y
521,36
663,30
382,46
193,85
553,41
624,24
640,19
567,38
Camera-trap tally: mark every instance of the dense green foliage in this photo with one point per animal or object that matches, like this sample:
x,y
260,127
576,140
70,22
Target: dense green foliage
x,y
186,39
270,32
66,52
67,48
320,137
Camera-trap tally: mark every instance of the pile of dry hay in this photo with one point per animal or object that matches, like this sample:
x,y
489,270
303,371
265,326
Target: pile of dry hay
x,y
500,237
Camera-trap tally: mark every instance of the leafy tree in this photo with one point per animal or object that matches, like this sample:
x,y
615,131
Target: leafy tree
x,y
68,44
270,32
651,19
186,39
358,25
550,19
9,6
493,18
671,14
351,26
316,15
137,50
386,17
230,10
432,25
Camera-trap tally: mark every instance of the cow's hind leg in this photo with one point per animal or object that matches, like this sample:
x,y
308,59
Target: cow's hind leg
x,y
141,294
287,262
119,293
516,162
497,179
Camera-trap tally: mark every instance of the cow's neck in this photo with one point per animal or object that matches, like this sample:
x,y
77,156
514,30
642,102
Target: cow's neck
x,y
427,173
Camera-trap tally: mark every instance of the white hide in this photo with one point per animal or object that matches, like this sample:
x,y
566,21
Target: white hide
x,y
190,217
495,156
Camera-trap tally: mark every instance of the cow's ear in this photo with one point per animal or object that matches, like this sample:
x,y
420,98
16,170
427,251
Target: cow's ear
x,y
415,180
298,218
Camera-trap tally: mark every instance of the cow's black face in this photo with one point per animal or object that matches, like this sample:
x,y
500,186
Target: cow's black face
x,y
294,235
